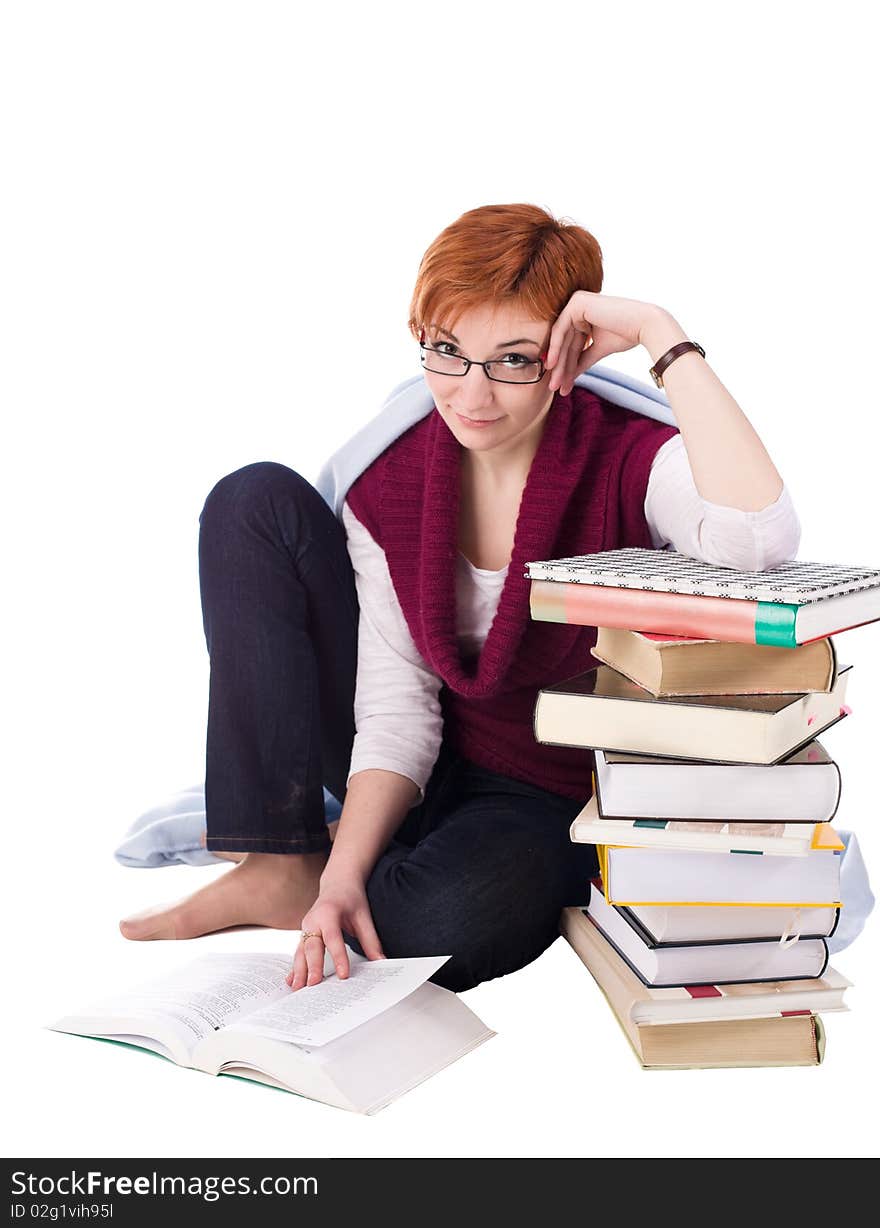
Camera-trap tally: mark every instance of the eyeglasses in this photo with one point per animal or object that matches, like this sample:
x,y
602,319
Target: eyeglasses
x,y
512,369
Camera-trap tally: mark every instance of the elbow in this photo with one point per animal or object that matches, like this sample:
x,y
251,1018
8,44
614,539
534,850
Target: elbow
x,y
777,556
751,541
783,548
757,553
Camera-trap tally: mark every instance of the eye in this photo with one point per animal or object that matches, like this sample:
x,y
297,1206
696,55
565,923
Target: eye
x,y
437,344
516,360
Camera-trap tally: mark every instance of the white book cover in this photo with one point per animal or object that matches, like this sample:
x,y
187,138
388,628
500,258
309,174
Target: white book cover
x,y
707,963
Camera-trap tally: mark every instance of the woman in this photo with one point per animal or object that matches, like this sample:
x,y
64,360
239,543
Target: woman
x,y
394,661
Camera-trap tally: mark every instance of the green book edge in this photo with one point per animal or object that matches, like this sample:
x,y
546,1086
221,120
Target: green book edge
x,y
775,624
222,1074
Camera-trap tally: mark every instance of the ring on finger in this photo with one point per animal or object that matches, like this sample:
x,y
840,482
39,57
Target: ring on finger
x,y
310,934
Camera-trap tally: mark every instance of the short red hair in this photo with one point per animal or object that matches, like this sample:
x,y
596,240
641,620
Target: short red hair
x,y
504,255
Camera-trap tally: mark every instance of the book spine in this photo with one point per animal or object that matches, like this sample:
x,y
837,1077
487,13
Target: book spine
x,y
713,618
776,624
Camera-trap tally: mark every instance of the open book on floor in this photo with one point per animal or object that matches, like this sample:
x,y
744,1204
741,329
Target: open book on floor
x,y
357,1043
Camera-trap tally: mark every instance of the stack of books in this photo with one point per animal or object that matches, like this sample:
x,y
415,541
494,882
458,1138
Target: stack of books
x,y
713,801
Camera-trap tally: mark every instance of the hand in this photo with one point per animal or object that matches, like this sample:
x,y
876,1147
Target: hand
x,y
607,325
338,904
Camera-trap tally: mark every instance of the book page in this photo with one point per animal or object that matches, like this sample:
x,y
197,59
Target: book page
x,y
199,998
320,1013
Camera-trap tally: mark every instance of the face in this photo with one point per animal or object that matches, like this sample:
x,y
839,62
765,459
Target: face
x,y
512,414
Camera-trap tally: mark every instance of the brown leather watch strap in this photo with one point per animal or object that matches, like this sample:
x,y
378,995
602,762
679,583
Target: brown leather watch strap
x,y
670,356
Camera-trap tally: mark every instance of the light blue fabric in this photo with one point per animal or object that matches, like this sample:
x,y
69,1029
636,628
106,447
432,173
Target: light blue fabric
x,y
172,832
857,899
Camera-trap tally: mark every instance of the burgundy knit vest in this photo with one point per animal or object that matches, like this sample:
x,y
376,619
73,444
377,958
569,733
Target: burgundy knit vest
x,y
585,492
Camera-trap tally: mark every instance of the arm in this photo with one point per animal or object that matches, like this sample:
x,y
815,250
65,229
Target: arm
x,y
724,536
730,465
375,805
397,716
399,728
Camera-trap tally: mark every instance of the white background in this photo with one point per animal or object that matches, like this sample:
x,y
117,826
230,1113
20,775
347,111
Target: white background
x,y
213,218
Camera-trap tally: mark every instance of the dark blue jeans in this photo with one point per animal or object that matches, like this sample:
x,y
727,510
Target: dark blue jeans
x,y
480,869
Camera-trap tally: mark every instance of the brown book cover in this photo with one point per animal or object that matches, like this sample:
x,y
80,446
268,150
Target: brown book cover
x,y
668,665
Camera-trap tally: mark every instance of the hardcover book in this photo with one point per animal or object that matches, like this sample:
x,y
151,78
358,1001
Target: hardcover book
x,y
666,665
775,839
669,876
705,963
803,788
600,708
672,925
710,1026
664,592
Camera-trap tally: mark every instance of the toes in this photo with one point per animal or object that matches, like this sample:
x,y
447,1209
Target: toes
x,y
144,927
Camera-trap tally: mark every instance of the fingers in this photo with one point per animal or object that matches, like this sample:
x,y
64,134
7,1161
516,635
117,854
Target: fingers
x,y
367,936
318,936
314,949
602,346
558,338
296,977
575,354
586,359
308,963
567,338
566,367
308,959
336,946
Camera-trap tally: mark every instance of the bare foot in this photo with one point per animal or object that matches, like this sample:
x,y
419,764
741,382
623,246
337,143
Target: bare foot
x,y
271,889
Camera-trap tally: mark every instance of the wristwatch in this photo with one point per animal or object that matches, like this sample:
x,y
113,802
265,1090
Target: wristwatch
x,y
670,356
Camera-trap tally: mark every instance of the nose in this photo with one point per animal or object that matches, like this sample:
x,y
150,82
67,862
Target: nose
x,y
475,391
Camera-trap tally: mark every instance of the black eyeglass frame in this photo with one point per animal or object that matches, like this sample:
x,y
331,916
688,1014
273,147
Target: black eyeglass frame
x,y
472,362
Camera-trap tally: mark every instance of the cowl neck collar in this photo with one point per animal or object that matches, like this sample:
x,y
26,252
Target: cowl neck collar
x,y
421,497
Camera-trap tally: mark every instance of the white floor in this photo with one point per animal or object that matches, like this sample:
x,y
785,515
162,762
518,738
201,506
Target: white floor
x,y
559,1079
109,719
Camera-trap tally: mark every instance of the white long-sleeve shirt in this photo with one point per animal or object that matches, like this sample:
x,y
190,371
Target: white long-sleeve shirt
x,y
398,722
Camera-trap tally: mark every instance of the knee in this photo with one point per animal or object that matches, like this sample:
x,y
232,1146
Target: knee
x,y
242,494
489,924
410,923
